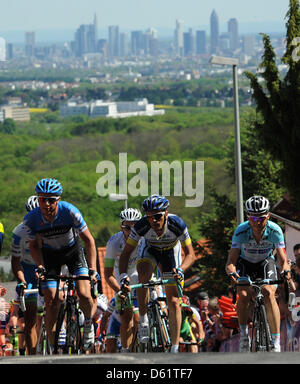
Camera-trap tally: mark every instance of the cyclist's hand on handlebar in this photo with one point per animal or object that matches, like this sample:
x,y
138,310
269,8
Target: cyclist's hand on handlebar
x,y
124,284
20,287
234,277
178,274
94,275
40,272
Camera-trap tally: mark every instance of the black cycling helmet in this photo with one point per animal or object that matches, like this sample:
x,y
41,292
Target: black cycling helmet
x,y
155,203
257,205
32,203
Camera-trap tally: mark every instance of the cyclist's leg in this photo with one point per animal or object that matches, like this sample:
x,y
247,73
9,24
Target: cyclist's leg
x,y
243,304
269,291
145,268
30,315
174,313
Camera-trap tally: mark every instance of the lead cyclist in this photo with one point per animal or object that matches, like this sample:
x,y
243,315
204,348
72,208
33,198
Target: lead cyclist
x,y
164,234
251,255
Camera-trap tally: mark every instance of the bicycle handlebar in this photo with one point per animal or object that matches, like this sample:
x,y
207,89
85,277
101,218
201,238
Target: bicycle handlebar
x,y
259,282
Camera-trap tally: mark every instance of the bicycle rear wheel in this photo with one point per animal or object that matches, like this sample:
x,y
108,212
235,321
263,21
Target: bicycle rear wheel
x,y
73,333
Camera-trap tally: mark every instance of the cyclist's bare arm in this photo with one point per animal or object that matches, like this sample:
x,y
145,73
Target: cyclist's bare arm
x,y
17,269
90,248
282,259
232,259
110,278
36,253
124,258
189,257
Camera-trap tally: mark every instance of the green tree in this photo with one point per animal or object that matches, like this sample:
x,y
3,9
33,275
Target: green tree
x,y
278,104
260,176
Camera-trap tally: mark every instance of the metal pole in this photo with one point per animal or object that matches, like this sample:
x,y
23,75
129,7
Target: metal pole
x,y
238,158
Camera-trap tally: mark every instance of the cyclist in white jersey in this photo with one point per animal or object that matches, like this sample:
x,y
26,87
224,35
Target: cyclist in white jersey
x,y
164,235
114,248
54,230
23,267
251,255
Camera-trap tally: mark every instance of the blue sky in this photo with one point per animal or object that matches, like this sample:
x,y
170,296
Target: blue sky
x,y
69,14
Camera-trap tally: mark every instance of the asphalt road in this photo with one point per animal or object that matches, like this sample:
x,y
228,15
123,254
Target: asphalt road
x,y
159,359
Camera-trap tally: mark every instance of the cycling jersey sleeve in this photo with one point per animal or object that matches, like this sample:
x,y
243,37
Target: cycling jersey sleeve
x,y
1,236
110,253
185,238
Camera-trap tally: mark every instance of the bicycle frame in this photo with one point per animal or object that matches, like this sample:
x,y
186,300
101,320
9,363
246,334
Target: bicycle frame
x,y
158,319
261,339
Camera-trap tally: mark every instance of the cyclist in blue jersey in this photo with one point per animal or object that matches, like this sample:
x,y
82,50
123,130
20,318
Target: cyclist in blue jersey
x,y
164,235
55,229
252,255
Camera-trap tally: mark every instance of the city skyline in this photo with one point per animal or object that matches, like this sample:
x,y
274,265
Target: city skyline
x,y
138,14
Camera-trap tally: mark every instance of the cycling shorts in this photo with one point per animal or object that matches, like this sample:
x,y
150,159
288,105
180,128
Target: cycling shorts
x,y
167,259
265,269
113,328
73,257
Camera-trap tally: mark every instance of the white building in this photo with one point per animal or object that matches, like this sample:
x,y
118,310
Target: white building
x,y
121,109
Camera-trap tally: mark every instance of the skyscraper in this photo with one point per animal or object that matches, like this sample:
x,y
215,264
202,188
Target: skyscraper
x,y
178,38
113,41
200,42
86,38
29,43
188,43
2,49
214,32
234,34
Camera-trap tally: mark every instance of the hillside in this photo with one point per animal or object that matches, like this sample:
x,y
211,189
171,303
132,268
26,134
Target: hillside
x,y
71,149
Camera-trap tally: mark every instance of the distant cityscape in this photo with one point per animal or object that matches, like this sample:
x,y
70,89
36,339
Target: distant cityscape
x,y
87,45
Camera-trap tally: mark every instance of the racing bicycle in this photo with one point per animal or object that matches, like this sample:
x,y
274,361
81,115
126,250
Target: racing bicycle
x,y
261,339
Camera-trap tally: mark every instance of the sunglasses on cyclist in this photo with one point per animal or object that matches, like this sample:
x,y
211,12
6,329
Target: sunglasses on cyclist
x,y
257,218
156,216
126,227
51,199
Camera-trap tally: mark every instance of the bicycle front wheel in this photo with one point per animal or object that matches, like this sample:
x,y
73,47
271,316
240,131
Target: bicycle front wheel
x,y
263,340
73,334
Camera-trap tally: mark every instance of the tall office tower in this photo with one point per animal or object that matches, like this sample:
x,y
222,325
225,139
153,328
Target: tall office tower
x,y
188,43
137,43
200,42
9,51
95,24
150,44
214,32
178,38
123,44
234,34
29,43
86,38
2,49
113,41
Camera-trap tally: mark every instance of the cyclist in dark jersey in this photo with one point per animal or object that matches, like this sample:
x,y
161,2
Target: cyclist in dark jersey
x,y
164,235
54,229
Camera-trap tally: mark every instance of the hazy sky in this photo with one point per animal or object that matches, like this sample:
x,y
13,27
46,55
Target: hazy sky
x,y
69,14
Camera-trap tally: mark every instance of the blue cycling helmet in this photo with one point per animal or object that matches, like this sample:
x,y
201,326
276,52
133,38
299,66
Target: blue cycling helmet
x,y
155,203
49,186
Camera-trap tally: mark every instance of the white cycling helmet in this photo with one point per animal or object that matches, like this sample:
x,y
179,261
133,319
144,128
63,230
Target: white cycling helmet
x,y
130,214
257,205
32,203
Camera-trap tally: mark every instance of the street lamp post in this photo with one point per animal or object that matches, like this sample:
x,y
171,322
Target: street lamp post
x,y
117,197
219,60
